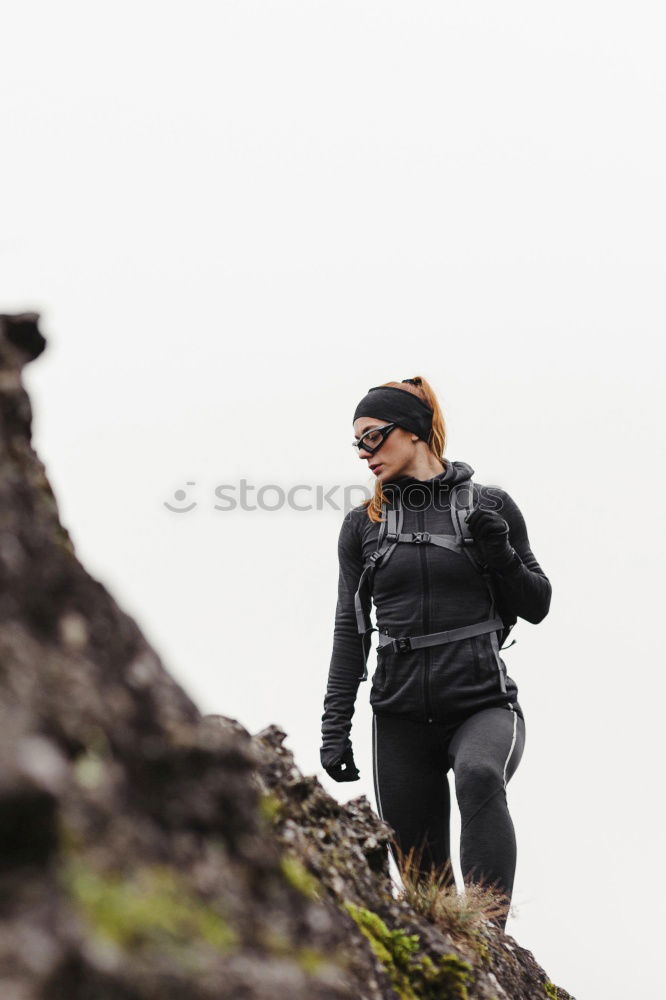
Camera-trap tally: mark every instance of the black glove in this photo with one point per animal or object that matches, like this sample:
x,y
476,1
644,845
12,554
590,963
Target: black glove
x,y
491,532
344,769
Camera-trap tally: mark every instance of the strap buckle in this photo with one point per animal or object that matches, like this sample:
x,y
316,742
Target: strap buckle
x,y
467,540
420,536
403,645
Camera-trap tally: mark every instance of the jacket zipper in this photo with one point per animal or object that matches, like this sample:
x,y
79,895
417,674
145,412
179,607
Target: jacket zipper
x,y
426,620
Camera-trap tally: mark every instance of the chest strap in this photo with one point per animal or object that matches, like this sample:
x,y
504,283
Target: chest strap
x,y
424,537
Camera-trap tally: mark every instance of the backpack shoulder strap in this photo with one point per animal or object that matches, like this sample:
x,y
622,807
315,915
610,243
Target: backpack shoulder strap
x,y
462,504
387,539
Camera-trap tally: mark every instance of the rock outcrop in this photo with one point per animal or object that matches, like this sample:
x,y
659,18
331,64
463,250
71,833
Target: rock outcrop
x,y
150,851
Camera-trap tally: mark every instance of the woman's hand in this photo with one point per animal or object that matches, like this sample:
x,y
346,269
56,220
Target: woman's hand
x,y
344,769
491,532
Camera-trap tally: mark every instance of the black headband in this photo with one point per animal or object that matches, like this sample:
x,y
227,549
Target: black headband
x,y
400,406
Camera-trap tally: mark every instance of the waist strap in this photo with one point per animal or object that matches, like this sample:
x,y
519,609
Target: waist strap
x,y
405,643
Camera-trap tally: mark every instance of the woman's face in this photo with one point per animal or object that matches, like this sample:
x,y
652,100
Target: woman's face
x,y
393,456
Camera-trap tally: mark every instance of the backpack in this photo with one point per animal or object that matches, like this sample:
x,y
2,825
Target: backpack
x,y
390,535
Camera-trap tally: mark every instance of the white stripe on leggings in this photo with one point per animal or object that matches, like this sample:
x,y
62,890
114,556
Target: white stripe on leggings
x,y
513,743
374,744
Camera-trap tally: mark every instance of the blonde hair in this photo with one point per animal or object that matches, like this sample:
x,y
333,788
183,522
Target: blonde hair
x,y
436,438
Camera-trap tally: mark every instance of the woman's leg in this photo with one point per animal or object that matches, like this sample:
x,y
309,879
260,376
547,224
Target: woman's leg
x,y
484,753
412,791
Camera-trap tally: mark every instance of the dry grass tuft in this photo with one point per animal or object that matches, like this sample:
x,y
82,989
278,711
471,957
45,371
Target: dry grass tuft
x,y
432,893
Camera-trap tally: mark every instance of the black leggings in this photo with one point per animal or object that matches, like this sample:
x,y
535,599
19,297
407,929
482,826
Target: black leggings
x,y
411,760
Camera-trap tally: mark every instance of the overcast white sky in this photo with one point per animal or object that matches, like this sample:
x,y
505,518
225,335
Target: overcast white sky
x,y
235,217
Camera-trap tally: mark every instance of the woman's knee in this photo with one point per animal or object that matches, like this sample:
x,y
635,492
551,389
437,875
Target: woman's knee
x,y
477,778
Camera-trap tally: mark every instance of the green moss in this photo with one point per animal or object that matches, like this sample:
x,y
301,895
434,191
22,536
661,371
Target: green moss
x,y
310,959
270,808
89,770
297,875
152,907
481,946
447,979
551,990
412,978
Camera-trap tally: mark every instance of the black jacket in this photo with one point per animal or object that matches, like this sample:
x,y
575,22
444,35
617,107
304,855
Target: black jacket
x,y
423,589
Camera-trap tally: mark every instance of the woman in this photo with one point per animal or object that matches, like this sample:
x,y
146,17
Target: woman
x,y
445,602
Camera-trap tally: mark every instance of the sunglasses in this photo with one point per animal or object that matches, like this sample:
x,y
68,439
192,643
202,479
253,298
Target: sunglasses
x,y
373,439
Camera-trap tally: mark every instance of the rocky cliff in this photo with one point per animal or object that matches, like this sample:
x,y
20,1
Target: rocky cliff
x,y
149,851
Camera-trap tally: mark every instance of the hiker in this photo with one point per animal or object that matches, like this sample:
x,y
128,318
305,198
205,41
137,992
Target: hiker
x,y
449,566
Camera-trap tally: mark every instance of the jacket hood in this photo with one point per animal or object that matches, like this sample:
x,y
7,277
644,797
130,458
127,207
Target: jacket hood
x,y
454,473
418,494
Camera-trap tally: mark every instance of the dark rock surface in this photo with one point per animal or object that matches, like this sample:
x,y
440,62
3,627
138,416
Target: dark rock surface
x,y
148,851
